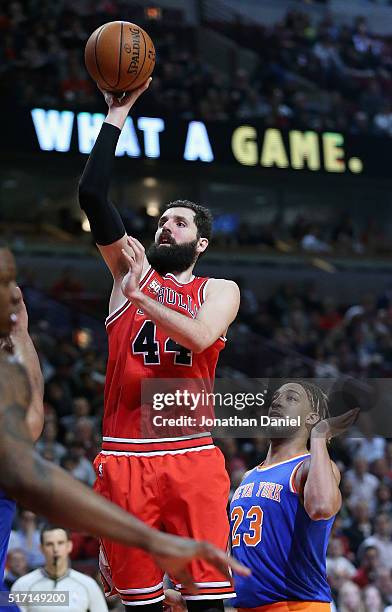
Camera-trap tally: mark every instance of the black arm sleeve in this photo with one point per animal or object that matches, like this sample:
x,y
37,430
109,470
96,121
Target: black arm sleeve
x,y
105,221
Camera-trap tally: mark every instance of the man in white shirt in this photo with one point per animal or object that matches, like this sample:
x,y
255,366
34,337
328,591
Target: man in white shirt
x,y
336,560
57,575
364,483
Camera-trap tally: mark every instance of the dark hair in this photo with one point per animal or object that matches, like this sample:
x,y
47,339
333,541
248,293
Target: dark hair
x,y
370,547
48,527
203,217
317,398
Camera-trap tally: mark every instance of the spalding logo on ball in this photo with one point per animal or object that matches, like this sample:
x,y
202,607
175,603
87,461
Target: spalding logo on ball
x,y
119,56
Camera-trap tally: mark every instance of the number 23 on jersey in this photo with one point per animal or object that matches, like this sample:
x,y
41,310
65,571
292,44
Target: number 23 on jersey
x,y
252,537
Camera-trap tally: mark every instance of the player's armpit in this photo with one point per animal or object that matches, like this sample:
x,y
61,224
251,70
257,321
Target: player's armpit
x,y
218,311
302,473
300,476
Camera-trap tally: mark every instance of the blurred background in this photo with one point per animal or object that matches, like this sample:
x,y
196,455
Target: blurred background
x,y
277,115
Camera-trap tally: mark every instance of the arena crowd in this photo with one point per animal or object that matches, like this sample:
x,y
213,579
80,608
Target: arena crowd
x,y
321,76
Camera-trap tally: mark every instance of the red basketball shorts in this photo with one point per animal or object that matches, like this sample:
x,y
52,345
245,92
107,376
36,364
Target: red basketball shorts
x,y
183,494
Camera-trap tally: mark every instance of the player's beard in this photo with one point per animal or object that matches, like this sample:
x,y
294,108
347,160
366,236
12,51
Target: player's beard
x,y
172,257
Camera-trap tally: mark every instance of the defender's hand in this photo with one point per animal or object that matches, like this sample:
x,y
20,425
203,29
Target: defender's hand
x,y
329,428
174,601
173,555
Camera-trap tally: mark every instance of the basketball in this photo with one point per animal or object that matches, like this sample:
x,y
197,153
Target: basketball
x,y
119,56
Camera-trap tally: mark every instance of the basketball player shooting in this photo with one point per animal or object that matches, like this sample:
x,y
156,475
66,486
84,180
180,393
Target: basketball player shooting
x,y
43,487
164,322
283,511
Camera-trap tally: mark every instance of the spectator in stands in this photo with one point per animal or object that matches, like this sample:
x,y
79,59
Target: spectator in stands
x,y
360,527
349,598
27,538
325,50
372,99
381,539
48,441
76,89
58,395
337,561
330,317
384,583
383,121
384,499
80,408
313,75
370,447
388,458
364,483
77,464
86,436
380,469
16,566
373,600
312,241
368,569
85,549
234,460
67,287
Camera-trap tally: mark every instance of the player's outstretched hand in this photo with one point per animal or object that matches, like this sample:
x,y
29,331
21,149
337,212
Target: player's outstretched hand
x,y
125,100
134,258
329,428
174,554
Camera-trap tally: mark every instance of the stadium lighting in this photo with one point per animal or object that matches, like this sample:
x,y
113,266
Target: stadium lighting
x,y
150,181
86,225
153,208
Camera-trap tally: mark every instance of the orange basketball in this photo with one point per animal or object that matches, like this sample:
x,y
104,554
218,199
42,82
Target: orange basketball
x,y
119,56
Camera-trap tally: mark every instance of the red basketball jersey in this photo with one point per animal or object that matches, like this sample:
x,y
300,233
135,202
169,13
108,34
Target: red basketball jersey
x,y
139,349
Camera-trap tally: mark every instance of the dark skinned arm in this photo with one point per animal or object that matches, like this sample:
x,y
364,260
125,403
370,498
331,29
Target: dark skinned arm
x,y
317,479
24,351
51,492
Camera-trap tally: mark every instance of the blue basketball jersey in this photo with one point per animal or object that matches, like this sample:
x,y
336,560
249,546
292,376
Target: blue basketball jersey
x,y
7,513
273,535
